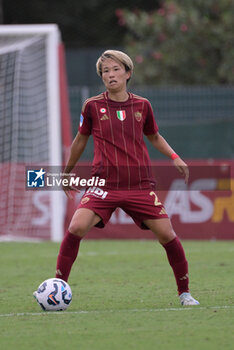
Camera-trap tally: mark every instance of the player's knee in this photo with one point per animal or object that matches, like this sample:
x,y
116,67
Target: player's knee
x,y
78,229
166,236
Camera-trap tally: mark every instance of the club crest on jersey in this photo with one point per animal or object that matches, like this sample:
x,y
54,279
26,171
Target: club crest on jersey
x,y
121,115
138,116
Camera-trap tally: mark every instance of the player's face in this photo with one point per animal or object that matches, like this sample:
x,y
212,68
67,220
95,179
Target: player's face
x,y
114,75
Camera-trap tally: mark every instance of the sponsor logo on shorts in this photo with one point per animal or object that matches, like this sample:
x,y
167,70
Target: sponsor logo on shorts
x,y
96,192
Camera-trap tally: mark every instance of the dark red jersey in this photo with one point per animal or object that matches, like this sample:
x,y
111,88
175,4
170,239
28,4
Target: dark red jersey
x,y
120,154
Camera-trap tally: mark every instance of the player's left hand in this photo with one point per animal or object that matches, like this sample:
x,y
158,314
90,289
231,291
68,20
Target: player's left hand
x,y
182,167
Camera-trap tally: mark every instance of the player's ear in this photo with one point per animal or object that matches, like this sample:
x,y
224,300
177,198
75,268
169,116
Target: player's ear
x,y
128,75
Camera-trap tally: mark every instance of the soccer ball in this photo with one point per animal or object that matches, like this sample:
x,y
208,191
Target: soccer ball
x,y
53,294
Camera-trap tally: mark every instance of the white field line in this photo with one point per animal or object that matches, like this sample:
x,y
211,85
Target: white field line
x,y
193,308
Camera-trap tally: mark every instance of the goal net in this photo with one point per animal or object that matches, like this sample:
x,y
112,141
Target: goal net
x,y
30,130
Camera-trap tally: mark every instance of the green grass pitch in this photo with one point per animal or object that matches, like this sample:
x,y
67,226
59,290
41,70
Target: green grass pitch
x,y
124,297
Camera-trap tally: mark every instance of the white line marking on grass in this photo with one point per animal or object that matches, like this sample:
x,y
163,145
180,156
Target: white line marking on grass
x,y
185,308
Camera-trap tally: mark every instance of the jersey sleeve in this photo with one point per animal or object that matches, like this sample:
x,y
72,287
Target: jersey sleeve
x,y
150,125
85,126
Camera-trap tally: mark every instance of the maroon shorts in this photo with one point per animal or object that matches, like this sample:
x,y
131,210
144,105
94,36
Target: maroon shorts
x,y
139,204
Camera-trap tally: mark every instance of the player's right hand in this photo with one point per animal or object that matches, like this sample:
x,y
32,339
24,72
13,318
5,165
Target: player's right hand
x,y
68,189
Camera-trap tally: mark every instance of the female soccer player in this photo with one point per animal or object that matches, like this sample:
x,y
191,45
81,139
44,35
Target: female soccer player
x,y
117,120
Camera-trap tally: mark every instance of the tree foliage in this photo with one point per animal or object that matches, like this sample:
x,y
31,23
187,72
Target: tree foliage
x,y
182,42
83,23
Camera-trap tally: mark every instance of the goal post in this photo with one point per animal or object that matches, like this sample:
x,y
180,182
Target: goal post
x,y
30,130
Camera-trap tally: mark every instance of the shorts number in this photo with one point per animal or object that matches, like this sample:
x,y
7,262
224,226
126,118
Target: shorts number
x,y
156,201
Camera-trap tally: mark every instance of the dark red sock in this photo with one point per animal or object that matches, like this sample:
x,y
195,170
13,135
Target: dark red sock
x,y
67,255
179,264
